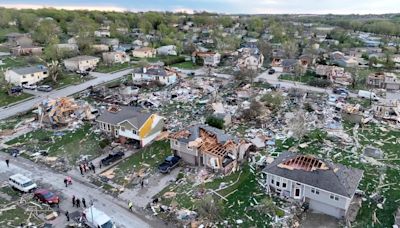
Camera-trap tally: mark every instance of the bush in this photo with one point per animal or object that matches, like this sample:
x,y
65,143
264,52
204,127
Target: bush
x,y
174,60
273,100
103,143
215,122
322,83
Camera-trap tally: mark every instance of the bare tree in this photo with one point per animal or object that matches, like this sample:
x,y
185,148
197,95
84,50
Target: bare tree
x,y
54,70
209,208
298,125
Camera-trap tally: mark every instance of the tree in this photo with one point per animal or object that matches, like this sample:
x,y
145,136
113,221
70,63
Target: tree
x,y
290,48
246,74
27,21
216,122
5,17
145,26
253,112
256,24
209,208
267,206
46,31
372,61
265,49
297,125
273,100
54,70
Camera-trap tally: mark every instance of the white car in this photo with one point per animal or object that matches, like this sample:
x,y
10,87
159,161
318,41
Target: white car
x,y
32,87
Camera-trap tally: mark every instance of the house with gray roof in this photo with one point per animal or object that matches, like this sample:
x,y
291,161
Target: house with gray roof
x,y
130,124
26,75
203,145
164,75
327,187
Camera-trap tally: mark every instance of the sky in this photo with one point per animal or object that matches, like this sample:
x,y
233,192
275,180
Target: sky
x,y
221,6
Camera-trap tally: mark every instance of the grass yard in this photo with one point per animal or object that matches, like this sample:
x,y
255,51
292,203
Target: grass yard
x,y
387,175
13,217
102,68
68,144
186,66
291,77
147,158
6,99
10,123
243,193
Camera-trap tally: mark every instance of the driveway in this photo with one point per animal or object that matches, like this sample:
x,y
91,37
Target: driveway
x,y
100,78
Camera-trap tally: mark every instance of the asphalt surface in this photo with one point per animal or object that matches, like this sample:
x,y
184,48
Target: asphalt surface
x,y
45,177
29,104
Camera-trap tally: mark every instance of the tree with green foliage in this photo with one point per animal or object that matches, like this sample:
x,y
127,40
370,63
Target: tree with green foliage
x,y
273,100
209,208
27,21
253,112
55,71
256,24
216,122
46,31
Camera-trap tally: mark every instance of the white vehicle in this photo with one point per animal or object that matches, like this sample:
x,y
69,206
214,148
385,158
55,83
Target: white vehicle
x,y
22,183
32,87
368,95
332,100
95,218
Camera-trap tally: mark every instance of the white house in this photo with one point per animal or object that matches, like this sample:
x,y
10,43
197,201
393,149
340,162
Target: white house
x,y
144,52
67,47
26,75
81,63
327,187
155,73
130,124
116,57
167,50
102,33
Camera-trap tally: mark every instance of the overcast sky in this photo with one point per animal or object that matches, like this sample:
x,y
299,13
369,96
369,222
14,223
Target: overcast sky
x,y
222,6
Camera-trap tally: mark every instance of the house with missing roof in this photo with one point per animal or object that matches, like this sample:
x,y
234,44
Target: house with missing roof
x,y
130,124
26,75
203,145
160,74
327,187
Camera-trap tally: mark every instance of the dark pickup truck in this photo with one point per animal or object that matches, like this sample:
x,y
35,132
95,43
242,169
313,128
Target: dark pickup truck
x,y
169,163
112,158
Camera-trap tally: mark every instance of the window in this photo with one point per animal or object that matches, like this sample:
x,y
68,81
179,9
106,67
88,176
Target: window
x,y
176,142
272,181
278,184
134,132
317,192
283,185
332,197
312,190
336,198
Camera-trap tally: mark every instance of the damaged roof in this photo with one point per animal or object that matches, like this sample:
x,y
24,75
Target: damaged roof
x,y
132,114
194,133
337,179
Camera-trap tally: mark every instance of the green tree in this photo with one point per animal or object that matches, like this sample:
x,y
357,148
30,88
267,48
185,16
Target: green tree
x,y
215,122
55,71
273,100
46,31
256,24
27,21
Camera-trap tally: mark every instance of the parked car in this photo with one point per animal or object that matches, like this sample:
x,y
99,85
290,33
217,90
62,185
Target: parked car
x,y
44,88
339,90
113,157
271,71
46,196
21,183
16,89
332,99
31,87
169,163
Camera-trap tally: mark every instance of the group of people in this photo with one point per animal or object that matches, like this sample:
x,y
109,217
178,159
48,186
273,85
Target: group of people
x,y
86,167
77,202
67,181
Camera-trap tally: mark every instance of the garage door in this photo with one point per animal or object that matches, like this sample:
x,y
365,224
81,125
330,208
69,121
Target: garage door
x,y
326,209
188,158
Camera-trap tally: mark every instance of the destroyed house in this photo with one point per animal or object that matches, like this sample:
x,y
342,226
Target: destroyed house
x,y
203,145
130,124
327,187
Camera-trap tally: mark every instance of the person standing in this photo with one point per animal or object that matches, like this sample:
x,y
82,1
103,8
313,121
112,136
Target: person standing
x,y
67,215
130,205
78,203
81,169
93,168
8,162
142,183
66,182
84,202
73,201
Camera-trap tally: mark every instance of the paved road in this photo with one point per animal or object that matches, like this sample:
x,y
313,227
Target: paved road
x,y
29,104
113,207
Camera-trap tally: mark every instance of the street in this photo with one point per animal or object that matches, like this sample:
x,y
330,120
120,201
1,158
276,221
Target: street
x,y
27,105
45,177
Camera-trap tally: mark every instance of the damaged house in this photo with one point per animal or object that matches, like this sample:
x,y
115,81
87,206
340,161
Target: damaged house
x,y
334,74
130,124
160,74
207,146
327,187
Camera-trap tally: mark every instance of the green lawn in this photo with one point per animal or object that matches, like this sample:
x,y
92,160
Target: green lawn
x,y
70,144
14,217
102,68
387,141
66,79
186,66
5,99
304,79
244,193
12,62
147,157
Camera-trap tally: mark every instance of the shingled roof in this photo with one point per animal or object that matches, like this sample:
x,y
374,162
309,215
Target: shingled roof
x,y
131,114
336,178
